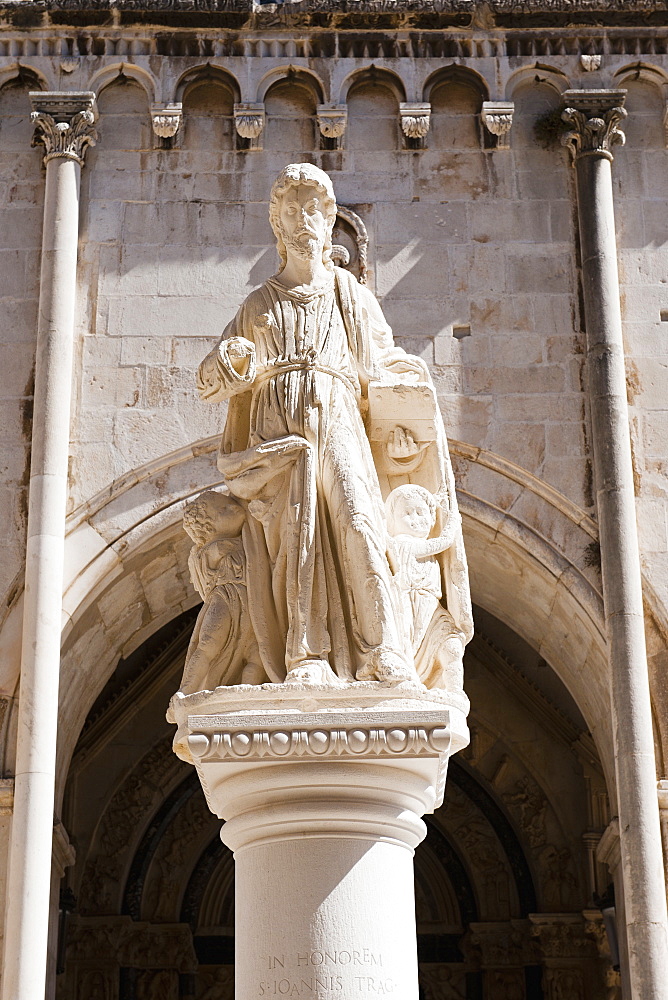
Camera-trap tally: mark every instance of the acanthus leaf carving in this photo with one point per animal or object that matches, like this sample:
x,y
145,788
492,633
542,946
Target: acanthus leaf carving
x,y
63,139
166,119
64,123
594,117
497,117
561,935
415,120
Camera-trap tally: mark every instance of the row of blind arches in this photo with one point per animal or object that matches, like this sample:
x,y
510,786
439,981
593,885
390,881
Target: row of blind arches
x,y
291,115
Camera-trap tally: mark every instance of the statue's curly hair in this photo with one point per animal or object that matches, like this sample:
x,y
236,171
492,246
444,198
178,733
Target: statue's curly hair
x,y
291,176
198,513
410,491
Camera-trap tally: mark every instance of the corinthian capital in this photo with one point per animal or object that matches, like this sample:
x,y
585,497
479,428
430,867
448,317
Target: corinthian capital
x,y
594,116
64,123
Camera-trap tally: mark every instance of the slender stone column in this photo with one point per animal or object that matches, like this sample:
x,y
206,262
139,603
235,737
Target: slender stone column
x,y
594,116
323,793
64,126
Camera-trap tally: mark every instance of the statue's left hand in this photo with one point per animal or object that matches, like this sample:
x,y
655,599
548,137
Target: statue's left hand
x,y
240,353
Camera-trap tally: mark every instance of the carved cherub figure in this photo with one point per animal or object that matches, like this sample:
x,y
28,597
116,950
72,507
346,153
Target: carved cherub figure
x,y
436,642
223,648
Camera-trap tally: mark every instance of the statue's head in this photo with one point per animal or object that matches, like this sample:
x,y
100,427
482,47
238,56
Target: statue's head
x,y
213,515
410,510
302,212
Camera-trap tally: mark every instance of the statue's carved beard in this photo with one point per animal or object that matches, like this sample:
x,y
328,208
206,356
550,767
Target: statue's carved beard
x,y
304,244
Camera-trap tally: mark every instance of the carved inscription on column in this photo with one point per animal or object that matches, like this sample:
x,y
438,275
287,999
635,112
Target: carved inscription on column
x,y
341,972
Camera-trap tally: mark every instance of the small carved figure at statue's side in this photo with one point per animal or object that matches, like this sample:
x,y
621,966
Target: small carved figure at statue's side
x,y
437,644
223,648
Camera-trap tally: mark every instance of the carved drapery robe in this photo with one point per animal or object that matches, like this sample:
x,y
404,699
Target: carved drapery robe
x,y
295,449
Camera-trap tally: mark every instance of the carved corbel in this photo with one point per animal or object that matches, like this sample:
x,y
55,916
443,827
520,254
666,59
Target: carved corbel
x,y
332,121
594,116
249,122
166,119
497,117
590,63
414,119
64,123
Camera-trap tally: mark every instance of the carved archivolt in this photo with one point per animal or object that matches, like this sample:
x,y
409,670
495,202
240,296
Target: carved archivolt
x,y
361,239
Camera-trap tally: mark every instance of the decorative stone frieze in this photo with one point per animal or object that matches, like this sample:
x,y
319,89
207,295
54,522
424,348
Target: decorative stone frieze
x,y
257,737
501,944
64,123
594,116
249,119
561,935
415,119
497,117
137,944
166,119
332,120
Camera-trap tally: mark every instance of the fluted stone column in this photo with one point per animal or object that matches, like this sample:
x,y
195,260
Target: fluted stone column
x,y
594,116
64,127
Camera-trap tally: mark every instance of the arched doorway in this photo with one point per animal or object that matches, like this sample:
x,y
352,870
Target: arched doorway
x,y
504,880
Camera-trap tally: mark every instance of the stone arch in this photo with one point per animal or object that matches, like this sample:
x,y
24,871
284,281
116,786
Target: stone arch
x,y
372,73
290,102
373,97
536,132
151,864
207,72
30,77
109,74
128,576
530,555
456,74
647,93
299,75
456,95
208,96
548,75
124,106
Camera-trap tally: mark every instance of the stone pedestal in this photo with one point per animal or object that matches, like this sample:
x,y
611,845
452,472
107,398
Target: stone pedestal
x,y
322,791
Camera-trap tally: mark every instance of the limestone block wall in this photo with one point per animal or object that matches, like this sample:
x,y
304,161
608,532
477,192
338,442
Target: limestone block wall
x,y
465,238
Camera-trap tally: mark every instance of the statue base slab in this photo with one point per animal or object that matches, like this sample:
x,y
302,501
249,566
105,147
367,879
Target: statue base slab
x,y
322,791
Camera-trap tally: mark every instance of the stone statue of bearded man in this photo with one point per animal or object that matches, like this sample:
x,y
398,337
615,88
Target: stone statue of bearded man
x,y
299,363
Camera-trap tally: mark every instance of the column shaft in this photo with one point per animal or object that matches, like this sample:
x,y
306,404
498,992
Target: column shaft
x,y
26,928
641,854
323,798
